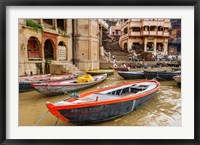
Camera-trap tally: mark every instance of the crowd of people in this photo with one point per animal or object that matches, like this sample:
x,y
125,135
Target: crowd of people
x,y
135,58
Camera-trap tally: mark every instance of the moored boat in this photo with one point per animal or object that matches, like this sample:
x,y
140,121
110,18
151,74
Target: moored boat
x,y
131,75
98,72
26,78
121,68
25,82
104,104
68,86
161,75
178,80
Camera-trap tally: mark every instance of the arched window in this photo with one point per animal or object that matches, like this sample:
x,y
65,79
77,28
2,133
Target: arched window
x,y
33,48
62,51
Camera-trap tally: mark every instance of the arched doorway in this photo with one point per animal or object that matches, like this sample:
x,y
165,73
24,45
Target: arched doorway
x,y
48,50
48,54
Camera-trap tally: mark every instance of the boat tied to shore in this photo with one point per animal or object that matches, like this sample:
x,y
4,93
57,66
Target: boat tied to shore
x,y
99,72
161,75
67,86
131,75
25,82
104,104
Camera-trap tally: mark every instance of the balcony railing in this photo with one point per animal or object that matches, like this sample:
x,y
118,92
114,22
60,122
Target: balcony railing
x,y
167,25
160,33
145,32
166,34
152,32
135,34
135,24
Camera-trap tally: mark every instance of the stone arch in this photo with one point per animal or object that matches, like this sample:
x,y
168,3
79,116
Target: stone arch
x,y
33,47
62,51
49,50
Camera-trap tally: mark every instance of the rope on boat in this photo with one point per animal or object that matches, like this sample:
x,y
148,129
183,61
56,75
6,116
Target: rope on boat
x,y
72,95
157,77
41,118
56,122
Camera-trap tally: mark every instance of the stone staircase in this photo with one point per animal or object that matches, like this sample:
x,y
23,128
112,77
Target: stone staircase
x,y
64,68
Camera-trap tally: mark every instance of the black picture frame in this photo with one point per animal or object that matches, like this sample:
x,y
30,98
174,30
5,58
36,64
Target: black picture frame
x,y
5,3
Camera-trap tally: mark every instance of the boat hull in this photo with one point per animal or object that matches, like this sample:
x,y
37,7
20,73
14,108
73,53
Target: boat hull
x,y
161,75
100,73
25,87
134,75
120,68
52,90
103,112
104,104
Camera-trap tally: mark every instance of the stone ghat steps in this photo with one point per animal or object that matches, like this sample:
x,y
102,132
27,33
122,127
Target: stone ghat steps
x,y
64,68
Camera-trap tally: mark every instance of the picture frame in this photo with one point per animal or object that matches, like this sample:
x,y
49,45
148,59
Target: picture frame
x,y
4,88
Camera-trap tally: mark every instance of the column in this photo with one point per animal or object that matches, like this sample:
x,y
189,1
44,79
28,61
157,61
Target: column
x,y
145,44
165,46
155,44
55,24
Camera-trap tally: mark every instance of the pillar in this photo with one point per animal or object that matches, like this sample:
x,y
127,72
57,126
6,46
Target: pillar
x,y
145,44
55,24
155,44
165,45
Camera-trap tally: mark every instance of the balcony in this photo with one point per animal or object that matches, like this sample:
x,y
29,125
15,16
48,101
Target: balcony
x,y
135,24
160,33
150,23
135,34
145,33
166,34
153,33
167,25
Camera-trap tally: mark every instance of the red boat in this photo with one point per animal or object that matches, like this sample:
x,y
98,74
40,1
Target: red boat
x,y
104,104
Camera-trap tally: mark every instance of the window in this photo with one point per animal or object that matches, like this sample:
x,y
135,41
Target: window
x,y
33,48
60,24
48,21
136,29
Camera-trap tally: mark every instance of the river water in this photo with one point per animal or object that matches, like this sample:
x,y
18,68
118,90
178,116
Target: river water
x,y
164,109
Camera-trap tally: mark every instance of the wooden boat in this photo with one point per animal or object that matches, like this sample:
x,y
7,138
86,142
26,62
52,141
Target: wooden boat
x,y
131,75
98,72
33,77
161,75
104,104
178,80
121,68
68,86
25,82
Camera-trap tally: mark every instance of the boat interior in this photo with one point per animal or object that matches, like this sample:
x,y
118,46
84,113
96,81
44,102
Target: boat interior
x,y
114,93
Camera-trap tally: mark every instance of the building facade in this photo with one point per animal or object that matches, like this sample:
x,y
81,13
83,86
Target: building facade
x,y
115,32
174,44
143,35
47,42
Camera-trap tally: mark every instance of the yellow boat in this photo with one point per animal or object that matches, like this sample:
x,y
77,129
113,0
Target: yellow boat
x,y
99,72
